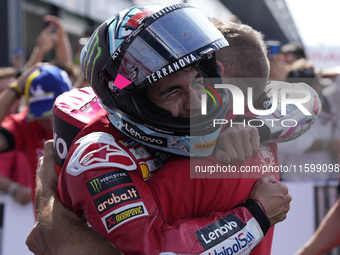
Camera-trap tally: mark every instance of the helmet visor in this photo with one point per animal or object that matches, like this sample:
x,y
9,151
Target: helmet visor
x,y
160,46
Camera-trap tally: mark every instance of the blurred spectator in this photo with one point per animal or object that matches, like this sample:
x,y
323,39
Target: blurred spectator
x,y
73,71
319,145
22,135
18,59
303,70
292,51
15,176
330,72
81,81
278,66
332,93
52,37
7,76
10,162
81,42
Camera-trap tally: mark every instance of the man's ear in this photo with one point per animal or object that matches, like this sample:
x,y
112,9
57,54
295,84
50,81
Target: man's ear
x,y
221,67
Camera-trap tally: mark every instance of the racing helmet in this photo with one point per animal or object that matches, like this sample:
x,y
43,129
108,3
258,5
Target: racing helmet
x,y
141,45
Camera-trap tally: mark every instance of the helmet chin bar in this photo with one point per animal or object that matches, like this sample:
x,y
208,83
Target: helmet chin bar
x,y
186,145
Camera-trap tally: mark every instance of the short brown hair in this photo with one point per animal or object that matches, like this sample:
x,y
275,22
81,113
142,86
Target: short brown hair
x,y
245,60
246,56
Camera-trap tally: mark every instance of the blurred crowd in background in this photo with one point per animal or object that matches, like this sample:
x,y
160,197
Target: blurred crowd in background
x,y
288,61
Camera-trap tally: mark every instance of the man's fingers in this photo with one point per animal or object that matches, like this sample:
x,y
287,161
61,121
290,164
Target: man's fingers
x,y
254,140
222,157
40,162
247,142
235,144
48,147
35,242
46,162
239,153
246,145
231,152
47,177
268,178
234,147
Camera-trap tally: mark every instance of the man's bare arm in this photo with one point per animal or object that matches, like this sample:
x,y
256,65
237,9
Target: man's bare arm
x,y
327,236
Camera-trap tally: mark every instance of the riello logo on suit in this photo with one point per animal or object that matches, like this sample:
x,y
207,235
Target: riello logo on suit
x,y
288,105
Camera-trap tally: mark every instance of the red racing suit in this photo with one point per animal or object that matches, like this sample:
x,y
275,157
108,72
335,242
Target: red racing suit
x,y
106,179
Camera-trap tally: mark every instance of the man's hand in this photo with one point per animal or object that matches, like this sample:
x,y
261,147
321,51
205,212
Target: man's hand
x,y
58,230
237,143
21,80
46,40
273,197
41,237
23,195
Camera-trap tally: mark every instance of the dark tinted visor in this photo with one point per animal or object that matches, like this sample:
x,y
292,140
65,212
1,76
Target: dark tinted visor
x,y
164,45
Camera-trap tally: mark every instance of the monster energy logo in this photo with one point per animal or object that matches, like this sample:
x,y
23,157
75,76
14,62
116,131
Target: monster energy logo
x,y
90,55
95,183
107,181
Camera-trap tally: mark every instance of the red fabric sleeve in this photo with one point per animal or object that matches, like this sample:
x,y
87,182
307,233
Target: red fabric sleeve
x,y
125,211
102,182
